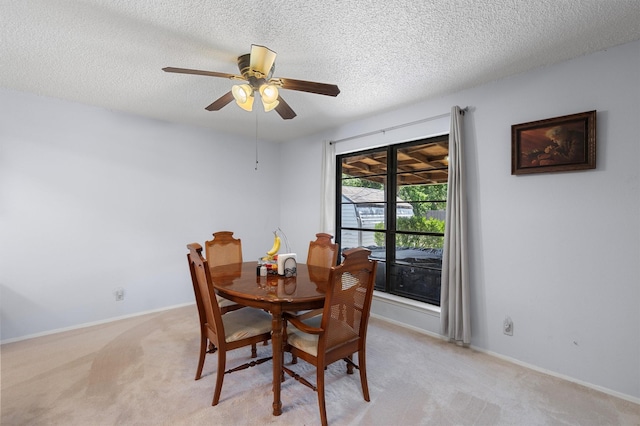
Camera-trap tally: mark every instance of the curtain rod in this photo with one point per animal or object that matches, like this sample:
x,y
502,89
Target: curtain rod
x,y
399,126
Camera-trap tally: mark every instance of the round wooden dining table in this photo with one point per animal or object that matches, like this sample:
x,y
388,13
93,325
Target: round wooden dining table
x,y
242,284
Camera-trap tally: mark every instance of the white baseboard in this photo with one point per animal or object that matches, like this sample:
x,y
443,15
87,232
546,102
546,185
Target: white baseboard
x,y
407,326
560,376
517,362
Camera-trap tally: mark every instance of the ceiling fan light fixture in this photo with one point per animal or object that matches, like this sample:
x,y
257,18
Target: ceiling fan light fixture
x,y
256,69
269,93
243,94
268,106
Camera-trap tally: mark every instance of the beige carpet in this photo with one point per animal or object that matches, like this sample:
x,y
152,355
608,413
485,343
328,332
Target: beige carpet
x,y
139,371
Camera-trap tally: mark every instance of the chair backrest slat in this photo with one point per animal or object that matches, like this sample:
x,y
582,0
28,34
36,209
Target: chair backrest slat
x,y
348,299
322,252
208,308
223,249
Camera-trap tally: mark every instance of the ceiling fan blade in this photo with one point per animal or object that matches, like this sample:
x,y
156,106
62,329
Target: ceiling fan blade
x,y
261,59
199,72
284,109
307,86
222,101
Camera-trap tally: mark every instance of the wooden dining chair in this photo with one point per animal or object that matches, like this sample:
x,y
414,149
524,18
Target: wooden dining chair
x,y
236,329
224,249
322,252
341,330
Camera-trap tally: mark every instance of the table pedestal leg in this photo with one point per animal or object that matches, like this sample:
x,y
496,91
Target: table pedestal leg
x,y
276,342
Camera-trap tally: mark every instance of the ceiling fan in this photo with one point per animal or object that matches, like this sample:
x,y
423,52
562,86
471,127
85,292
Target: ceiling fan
x,y
256,69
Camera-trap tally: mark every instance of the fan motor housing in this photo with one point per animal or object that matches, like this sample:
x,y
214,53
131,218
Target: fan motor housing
x,y
243,65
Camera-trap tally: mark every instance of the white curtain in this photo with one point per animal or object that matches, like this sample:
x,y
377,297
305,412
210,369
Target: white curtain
x,y
328,198
454,298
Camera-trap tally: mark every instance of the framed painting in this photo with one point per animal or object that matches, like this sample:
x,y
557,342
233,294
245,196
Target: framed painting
x,y
557,144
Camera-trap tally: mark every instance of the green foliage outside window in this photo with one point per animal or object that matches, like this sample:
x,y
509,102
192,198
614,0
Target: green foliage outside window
x,y
423,198
433,193
359,182
415,223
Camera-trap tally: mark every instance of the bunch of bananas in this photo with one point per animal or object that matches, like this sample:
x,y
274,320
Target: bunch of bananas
x,y
274,249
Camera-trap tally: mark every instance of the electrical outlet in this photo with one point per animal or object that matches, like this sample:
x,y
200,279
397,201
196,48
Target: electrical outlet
x,y
119,293
507,327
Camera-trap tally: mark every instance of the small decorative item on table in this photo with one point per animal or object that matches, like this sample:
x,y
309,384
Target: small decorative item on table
x,y
268,267
287,264
274,262
270,261
272,268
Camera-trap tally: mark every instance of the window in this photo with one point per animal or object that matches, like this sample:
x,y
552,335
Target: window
x,y
393,200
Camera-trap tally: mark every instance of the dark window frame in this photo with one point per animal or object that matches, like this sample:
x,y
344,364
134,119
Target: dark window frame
x,y
390,264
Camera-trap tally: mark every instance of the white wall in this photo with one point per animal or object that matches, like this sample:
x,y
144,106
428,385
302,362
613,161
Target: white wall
x,y
91,200
559,253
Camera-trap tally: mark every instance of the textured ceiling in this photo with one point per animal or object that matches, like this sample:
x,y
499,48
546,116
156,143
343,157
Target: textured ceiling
x,y
382,54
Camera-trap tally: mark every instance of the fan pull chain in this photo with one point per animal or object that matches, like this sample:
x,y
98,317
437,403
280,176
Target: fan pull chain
x,y
256,142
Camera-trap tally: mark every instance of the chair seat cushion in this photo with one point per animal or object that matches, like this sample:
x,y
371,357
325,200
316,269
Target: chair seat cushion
x,y
247,322
223,303
309,342
304,341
